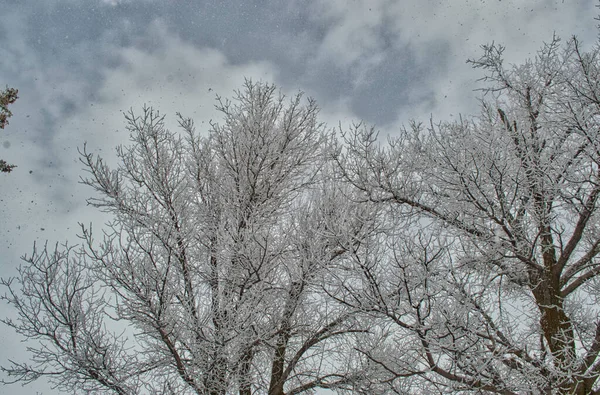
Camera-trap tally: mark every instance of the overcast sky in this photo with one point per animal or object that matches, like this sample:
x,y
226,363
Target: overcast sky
x,y
78,64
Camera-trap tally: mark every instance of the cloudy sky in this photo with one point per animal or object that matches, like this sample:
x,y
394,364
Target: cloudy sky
x,y
78,64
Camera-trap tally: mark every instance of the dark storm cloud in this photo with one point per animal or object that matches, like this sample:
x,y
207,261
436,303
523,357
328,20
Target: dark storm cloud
x,y
243,31
81,37
250,30
59,49
396,81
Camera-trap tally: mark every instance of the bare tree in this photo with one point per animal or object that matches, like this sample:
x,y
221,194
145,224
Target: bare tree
x,y
462,257
487,273
212,265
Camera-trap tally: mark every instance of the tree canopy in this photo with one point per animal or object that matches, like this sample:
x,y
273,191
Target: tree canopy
x,y
274,256
494,239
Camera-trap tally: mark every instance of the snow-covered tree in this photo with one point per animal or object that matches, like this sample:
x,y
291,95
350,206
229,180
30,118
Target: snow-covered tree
x,y
7,97
208,279
268,258
488,273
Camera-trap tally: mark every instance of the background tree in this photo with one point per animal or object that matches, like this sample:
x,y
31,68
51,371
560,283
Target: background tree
x,y
212,265
8,96
488,270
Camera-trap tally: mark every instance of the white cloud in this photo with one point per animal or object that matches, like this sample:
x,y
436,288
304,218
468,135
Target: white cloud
x,y
362,33
353,39
172,76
